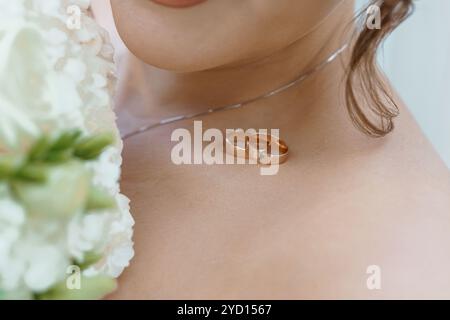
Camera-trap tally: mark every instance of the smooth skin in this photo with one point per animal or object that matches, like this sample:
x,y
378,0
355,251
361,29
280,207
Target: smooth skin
x,y
341,203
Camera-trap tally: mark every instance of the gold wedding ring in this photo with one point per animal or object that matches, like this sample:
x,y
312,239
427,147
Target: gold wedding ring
x,y
265,149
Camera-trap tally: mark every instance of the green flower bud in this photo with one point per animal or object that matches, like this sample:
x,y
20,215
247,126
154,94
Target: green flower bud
x,y
39,150
90,258
98,199
8,166
66,140
90,148
36,173
59,156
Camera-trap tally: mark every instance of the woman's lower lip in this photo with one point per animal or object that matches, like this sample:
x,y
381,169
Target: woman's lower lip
x,y
179,3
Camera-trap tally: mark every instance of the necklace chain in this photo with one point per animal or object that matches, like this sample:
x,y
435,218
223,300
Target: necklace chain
x,y
283,88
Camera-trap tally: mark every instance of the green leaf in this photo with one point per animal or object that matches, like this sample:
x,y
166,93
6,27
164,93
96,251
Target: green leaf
x,y
91,147
92,288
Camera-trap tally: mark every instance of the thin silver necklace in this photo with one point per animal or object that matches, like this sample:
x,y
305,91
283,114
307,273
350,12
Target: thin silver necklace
x,y
283,88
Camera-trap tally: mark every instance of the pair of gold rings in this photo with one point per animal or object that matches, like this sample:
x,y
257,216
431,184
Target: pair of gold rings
x,y
262,148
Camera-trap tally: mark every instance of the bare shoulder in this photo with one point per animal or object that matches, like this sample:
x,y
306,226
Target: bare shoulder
x,y
395,236
373,225
383,234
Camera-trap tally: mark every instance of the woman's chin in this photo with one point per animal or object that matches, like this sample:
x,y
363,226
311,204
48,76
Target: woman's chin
x,y
174,62
179,3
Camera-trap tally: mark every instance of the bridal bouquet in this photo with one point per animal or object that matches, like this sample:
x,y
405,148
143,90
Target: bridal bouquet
x,y
65,228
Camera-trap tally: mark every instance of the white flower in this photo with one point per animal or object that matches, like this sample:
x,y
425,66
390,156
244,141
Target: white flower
x,y
46,266
12,218
119,243
87,233
70,182
107,170
16,95
49,75
51,79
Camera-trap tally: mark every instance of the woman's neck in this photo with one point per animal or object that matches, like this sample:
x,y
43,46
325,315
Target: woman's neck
x,y
151,93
